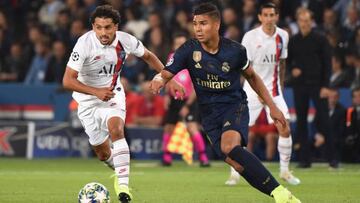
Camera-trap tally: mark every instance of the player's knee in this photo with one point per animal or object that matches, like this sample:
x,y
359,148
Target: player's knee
x,y
227,148
285,132
116,132
103,156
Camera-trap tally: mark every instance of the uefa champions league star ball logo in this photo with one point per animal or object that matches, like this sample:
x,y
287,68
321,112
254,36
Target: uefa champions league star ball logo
x,y
75,56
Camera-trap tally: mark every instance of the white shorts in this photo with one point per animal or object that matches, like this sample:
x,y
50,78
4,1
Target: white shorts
x,y
94,119
255,107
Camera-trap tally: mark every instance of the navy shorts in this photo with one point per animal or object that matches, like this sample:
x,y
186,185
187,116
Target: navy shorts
x,y
218,118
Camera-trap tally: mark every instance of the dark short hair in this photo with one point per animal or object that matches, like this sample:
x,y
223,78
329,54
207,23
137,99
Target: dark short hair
x,y
207,9
268,5
105,11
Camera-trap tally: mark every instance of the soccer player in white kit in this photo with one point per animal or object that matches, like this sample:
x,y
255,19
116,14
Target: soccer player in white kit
x,y
266,48
93,74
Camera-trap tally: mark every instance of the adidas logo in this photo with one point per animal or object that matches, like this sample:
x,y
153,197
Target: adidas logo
x,y
227,123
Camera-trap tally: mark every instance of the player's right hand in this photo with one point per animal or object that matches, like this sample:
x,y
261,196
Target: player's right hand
x,y
105,93
156,84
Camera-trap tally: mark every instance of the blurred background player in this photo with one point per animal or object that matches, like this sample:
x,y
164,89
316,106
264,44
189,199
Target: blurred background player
x,y
186,110
266,48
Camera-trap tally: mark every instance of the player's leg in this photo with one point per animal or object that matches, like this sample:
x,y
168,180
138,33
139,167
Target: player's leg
x,y
105,153
252,169
121,157
255,108
284,142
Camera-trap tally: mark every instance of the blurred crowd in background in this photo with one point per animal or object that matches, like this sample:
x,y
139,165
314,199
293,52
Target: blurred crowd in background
x,y
37,36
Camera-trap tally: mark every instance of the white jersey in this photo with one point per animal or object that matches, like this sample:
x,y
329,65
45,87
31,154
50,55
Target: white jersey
x,y
265,52
99,65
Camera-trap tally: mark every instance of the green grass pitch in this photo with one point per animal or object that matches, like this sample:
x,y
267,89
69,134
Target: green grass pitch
x,y
59,180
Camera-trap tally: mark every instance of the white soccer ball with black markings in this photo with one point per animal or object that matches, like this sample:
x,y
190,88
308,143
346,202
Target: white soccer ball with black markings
x,y
94,193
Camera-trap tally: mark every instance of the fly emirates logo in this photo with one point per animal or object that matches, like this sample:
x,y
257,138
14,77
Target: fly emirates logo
x,y
213,82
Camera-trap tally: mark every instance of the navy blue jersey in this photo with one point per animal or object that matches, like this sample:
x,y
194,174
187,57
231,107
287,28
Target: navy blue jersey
x,y
216,77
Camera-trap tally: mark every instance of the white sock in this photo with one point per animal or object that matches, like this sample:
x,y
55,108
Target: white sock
x,y
233,172
121,158
109,162
284,148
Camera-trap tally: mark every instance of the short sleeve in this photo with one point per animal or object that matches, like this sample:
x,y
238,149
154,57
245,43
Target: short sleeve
x,y
78,55
178,61
244,61
132,45
246,42
284,51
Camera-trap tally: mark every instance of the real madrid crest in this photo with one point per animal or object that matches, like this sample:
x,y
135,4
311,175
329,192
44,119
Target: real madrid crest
x,y
197,58
225,67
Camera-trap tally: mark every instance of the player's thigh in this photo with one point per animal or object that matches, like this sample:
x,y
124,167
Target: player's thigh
x,y
113,121
255,108
91,122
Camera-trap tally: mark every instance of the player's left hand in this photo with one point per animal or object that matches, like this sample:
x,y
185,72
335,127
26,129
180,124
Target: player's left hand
x,y
277,116
176,89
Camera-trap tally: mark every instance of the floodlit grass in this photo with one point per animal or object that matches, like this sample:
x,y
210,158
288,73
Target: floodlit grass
x,y
59,180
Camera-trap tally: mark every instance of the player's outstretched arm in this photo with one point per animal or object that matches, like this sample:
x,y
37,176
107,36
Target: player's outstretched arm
x,y
258,86
71,82
163,77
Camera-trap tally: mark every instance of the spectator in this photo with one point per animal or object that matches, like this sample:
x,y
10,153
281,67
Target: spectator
x,y
151,108
338,76
57,63
39,64
63,21
15,65
77,29
352,21
49,11
159,44
155,21
310,64
329,21
134,23
337,129
249,15
351,149
233,32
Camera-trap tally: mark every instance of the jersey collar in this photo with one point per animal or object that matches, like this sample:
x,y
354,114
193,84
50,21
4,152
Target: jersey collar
x,y
266,35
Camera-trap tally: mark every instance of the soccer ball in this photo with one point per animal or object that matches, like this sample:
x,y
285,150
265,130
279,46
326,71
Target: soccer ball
x,y
94,193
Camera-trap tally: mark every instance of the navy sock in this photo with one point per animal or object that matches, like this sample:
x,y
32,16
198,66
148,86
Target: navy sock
x,y
254,172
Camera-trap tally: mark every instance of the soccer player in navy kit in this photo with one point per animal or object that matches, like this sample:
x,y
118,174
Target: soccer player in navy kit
x,y
215,65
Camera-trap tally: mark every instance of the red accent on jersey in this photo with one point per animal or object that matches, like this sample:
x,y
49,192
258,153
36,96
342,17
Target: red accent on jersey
x,y
120,61
275,90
